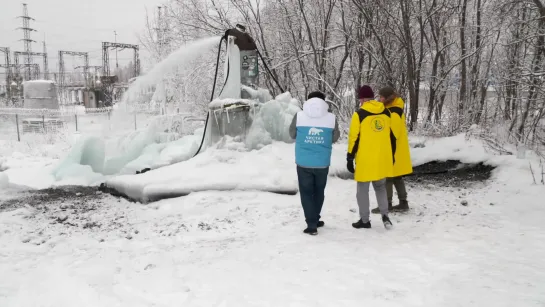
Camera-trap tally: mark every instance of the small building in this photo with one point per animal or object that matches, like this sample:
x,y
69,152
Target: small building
x,y
41,95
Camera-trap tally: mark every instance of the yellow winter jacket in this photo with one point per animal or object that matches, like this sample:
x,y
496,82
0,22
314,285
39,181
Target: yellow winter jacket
x,y
371,143
403,164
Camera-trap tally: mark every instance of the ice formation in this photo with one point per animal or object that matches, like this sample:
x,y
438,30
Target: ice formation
x,y
88,150
129,153
231,87
153,147
272,121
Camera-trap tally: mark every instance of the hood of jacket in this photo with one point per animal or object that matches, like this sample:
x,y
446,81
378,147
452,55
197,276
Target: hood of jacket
x,y
398,102
373,106
315,107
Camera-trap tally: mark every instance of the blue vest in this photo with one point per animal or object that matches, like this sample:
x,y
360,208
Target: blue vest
x,y
314,140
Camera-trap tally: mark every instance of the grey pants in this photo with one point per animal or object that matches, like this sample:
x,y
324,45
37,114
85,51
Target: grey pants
x,y
400,188
362,197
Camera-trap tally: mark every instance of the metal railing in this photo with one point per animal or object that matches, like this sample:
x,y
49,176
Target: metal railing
x,y
20,124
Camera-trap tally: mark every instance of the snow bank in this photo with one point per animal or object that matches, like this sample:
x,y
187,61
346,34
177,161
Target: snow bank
x,y
31,177
450,148
269,168
4,181
272,122
77,174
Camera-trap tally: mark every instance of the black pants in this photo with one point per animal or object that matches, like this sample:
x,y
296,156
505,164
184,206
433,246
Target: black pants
x,y
400,189
312,182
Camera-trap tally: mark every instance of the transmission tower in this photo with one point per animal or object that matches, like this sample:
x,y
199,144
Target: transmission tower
x,y
107,79
29,66
62,71
7,62
161,30
46,70
27,40
35,68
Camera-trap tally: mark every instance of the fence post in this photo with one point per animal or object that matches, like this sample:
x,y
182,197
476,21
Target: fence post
x,y
17,123
76,116
43,122
135,121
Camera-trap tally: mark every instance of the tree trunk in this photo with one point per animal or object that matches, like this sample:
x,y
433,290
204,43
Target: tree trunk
x,y
463,72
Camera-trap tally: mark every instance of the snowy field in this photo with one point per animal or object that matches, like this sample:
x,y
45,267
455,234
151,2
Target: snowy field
x,y
79,247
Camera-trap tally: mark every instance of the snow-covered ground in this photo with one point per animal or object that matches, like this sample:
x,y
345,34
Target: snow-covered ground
x,y
234,248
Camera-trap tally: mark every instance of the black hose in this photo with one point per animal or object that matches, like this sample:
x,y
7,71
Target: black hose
x,y
269,71
212,95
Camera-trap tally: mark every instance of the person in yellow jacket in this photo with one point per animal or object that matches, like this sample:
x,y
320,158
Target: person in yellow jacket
x,y
371,145
403,165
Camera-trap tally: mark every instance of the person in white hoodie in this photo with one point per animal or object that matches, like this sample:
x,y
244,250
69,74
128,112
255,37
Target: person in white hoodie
x,y
314,130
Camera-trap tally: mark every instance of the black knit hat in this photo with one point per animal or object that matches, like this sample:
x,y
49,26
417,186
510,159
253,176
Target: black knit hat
x,y
316,94
387,91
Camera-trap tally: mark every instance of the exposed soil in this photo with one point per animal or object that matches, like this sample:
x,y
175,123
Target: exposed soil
x,y
43,199
449,174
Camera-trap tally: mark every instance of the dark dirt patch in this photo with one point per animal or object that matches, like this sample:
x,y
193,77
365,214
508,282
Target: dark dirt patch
x,y
450,173
75,197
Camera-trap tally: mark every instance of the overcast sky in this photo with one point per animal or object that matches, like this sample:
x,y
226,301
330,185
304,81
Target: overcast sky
x,y
75,25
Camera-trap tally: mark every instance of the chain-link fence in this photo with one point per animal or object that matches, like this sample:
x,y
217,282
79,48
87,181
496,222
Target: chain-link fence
x,y
17,124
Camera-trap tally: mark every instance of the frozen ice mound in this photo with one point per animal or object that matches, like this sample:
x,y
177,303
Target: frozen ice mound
x,y
272,121
271,169
89,151
83,165
88,162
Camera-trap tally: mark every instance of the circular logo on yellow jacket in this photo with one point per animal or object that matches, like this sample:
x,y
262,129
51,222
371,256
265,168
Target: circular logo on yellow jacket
x,y
377,124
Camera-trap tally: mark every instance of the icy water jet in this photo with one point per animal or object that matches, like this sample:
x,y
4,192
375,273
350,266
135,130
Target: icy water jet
x,y
173,61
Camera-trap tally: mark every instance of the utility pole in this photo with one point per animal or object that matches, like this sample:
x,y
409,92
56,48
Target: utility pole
x,y
161,30
46,70
9,76
116,62
27,40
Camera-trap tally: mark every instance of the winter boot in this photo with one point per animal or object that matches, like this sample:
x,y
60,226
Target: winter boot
x,y
377,209
387,223
321,224
360,224
402,207
311,231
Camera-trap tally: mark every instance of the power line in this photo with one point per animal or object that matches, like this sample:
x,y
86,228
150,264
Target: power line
x,y
76,26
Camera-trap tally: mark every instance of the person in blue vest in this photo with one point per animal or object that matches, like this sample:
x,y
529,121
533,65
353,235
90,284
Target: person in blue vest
x,y
315,130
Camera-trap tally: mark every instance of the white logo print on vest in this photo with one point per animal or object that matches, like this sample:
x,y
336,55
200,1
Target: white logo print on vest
x,y
314,137
315,131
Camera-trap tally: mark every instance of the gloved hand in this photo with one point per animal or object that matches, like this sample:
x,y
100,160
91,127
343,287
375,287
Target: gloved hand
x,y
350,165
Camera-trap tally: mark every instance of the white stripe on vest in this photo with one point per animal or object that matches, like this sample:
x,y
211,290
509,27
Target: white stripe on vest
x,y
327,121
